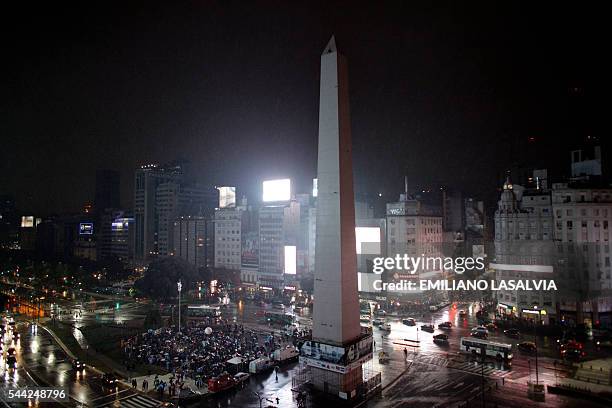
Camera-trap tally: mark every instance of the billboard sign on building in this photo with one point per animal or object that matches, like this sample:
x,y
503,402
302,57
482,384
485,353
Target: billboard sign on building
x,y
27,221
86,228
367,240
227,197
250,249
336,358
290,259
276,190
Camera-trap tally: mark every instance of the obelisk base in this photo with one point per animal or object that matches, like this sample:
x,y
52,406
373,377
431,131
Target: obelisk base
x,y
345,386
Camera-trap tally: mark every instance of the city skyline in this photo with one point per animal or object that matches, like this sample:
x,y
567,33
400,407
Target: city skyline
x,y
99,97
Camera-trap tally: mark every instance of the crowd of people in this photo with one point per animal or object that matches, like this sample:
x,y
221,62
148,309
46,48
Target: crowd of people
x,y
200,351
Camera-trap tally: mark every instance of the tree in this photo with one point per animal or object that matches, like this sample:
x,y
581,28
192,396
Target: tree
x,y
152,319
159,281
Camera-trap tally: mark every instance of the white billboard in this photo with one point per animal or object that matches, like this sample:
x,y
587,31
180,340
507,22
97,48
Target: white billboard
x,y
290,259
367,240
27,221
227,197
277,190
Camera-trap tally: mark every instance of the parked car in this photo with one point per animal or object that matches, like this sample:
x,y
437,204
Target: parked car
x,y
514,333
378,321
527,347
241,377
428,328
445,325
409,321
440,338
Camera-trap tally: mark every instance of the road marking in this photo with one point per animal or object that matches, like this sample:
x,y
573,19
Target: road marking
x,y
132,401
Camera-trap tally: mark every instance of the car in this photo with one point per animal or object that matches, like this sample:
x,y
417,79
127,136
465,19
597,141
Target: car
x,y
380,312
378,321
573,354
462,313
481,329
514,333
491,327
241,377
385,327
109,380
428,328
409,321
527,347
440,338
445,325
10,351
478,333
16,337
77,365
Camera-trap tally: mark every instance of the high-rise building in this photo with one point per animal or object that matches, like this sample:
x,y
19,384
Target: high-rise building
x,y
174,199
582,218
9,221
194,240
524,247
114,237
107,190
228,237
416,229
161,195
147,179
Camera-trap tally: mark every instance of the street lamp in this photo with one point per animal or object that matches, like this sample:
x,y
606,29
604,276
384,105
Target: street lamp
x,y
535,340
179,286
261,398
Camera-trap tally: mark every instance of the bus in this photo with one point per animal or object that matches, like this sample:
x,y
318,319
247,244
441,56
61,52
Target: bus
x,y
201,311
492,349
278,318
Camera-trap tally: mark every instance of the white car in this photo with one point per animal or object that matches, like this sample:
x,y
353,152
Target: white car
x,y
241,377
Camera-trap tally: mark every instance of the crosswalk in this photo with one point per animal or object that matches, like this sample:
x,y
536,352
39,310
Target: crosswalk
x,y
476,368
133,401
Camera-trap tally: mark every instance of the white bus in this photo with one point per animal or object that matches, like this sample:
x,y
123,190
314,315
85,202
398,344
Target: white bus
x,y
202,311
492,349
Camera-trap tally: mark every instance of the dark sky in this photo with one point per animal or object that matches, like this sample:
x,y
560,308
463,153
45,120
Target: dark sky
x,y
445,94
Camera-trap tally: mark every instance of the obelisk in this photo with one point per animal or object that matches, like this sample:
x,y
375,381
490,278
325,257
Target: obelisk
x,y
336,327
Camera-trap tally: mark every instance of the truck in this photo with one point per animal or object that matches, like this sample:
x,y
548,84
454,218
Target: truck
x,y
285,355
259,365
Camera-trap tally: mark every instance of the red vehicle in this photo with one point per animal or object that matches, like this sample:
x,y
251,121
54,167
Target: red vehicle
x,y
221,383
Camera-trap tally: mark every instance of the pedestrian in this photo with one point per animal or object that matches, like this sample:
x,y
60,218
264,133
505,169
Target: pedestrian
x,y
405,353
134,384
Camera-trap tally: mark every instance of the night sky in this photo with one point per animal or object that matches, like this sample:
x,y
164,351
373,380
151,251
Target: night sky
x,y
448,95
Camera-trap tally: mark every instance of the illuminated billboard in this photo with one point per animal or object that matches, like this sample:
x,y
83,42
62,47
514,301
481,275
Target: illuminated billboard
x,y
290,259
121,224
367,240
27,221
315,187
277,190
250,249
227,197
86,228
